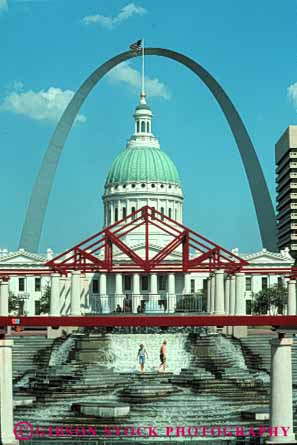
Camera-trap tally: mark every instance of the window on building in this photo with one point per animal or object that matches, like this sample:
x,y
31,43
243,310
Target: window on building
x,y
21,307
145,282
205,283
248,283
175,214
147,127
109,217
132,211
279,282
116,214
37,284
95,286
137,126
162,282
142,127
37,307
170,213
124,212
264,282
127,282
192,286
21,284
248,307
162,211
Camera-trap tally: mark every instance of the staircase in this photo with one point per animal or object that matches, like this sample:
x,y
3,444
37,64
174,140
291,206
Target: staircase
x,y
214,389
29,353
257,353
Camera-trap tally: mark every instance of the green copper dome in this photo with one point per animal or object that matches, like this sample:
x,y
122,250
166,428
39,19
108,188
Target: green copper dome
x,y
142,164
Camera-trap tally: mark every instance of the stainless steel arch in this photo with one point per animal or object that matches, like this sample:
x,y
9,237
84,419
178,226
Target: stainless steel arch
x,y
33,224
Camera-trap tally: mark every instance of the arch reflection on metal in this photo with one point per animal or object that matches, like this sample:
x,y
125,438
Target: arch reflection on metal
x,y
39,198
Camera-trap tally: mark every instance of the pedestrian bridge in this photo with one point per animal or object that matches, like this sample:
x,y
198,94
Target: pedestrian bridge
x,y
161,320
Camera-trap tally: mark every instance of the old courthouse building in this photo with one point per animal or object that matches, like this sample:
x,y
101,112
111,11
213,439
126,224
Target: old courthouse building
x,y
141,175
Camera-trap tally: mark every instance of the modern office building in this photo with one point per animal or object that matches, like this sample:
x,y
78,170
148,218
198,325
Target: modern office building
x,y
286,187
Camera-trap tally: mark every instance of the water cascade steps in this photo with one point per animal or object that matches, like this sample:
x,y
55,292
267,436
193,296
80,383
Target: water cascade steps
x,y
212,379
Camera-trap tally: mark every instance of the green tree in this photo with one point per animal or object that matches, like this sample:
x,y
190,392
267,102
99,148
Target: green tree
x,y
270,301
45,300
13,303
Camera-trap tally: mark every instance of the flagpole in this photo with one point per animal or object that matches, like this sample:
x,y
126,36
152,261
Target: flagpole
x,y
142,77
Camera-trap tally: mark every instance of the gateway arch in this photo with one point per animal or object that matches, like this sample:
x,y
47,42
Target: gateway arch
x,y
35,215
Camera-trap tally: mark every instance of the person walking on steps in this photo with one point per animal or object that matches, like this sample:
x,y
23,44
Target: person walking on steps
x,y
141,356
163,356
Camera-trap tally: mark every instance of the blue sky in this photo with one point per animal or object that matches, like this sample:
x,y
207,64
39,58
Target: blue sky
x,y
49,47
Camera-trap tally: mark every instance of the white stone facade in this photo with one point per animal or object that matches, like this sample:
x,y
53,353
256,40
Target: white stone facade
x,y
101,292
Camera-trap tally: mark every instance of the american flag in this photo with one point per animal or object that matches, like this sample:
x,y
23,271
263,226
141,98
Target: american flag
x,y
136,46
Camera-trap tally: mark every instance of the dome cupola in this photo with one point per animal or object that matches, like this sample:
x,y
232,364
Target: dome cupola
x,y
142,174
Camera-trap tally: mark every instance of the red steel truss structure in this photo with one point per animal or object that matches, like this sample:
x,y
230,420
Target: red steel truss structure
x,y
195,252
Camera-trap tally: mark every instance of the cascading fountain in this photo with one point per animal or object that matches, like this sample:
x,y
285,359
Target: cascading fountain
x,y
124,348
60,351
195,388
229,349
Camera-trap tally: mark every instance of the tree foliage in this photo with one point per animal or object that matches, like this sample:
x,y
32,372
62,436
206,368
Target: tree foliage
x,y
13,303
45,300
270,301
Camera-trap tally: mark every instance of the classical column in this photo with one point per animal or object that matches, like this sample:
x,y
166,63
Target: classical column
x,y
154,284
86,293
119,291
75,292
219,292
292,297
6,399
136,297
208,294
281,405
227,294
187,283
104,301
4,297
111,212
212,293
239,298
232,295
55,294
171,302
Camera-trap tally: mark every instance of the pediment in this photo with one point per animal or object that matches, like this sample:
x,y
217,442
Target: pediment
x,y
22,257
266,257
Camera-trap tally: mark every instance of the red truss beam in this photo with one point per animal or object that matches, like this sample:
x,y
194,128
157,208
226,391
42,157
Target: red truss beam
x,y
285,321
97,254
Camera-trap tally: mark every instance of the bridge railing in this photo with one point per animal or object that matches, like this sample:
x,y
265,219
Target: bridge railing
x,y
161,303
